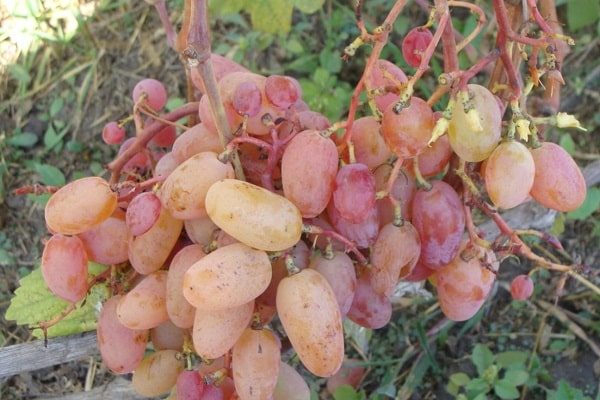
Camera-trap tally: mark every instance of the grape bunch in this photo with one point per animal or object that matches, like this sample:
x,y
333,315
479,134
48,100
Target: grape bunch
x,y
213,241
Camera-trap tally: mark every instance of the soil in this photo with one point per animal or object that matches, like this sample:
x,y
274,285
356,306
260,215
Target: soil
x,y
125,54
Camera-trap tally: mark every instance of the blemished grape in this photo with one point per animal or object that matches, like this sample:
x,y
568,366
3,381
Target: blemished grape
x,y
145,306
106,243
65,267
180,311
350,374
439,219
369,147
290,384
157,373
354,192
148,252
196,139
362,234
369,308
509,174
112,133
247,99
521,287
407,133
414,44
281,91
403,190
216,331
80,205
167,336
558,182
121,348
469,142
228,277
463,285
155,92
142,213
309,185
253,215
395,254
383,76
311,318
255,368
339,272
183,193
189,385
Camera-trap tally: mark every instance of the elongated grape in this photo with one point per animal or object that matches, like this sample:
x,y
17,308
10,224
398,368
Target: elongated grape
x,y
80,205
395,254
509,174
369,308
339,272
65,267
196,139
180,311
558,182
309,185
145,306
290,385
121,348
362,234
354,192
216,331
406,133
439,219
475,141
403,189
157,373
253,215
228,277
106,243
311,318
256,359
184,192
142,212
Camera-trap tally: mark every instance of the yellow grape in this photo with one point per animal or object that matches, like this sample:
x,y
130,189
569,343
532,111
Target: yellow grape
x,y
290,385
80,205
149,251
216,331
145,306
228,277
157,373
121,348
509,174
181,312
470,143
255,364
253,215
184,191
310,315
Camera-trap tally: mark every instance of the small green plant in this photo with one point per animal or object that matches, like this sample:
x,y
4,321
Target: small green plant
x,y
500,374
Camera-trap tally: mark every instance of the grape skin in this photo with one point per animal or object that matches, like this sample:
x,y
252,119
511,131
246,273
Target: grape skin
x,y
65,267
339,272
145,306
521,287
354,192
157,373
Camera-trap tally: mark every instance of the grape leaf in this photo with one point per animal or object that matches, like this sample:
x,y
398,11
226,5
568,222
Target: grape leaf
x,y
309,6
589,206
34,303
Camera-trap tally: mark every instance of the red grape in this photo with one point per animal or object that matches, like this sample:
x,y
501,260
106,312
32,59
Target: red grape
x,y
354,192
142,213
65,267
414,44
154,90
112,133
521,287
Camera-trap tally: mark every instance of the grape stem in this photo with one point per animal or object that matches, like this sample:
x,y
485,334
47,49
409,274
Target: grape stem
x,y
350,246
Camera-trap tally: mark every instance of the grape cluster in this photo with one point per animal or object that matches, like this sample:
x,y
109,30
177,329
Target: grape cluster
x,y
209,240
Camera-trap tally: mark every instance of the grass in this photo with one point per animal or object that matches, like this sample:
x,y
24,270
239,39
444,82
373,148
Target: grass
x,y
69,68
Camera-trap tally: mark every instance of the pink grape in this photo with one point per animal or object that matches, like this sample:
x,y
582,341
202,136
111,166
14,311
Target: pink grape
x,y
384,76
281,91
167,336
154,90
196,139
145,306
339,272
189,385
369,147
414,44
369,308
521,287
354,192
112,133
138,162
247,99
142,213
65,267
165,137
362,234
106,243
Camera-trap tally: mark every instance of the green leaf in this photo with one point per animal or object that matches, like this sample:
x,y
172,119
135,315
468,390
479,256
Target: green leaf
x,y
517,377
309,6
582,13
19,73
508,358
567,143
460,379
506,390
50,175
271,16
477,385
34,303
25,139
346,392
589,206
566,392
225,7
56,105
482,357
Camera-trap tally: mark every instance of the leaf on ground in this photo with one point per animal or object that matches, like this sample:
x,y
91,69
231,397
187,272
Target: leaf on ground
x,y
506,390
25,139
566,392
50,175
33,303
589,206
482,357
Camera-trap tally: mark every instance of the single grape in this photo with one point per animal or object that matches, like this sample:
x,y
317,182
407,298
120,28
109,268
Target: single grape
x,y
290,385
414,45
121,348
145,306
228,277
196,139
521,287
509,174
386,78
419,273
189,385
369,309
157,373
180,311
65,267
142,213
339,272
200,230
281,91
138,162
362,234
309,185
369,147
155,92
112,133
165,137
167,336
407,133
350,374
354,192
247,99
311,318
558,182
433,159
253,215
106,243
403,189
439,219
165,165
80,205
312,120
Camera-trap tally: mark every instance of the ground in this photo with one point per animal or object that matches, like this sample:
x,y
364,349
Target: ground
x,y
67,88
